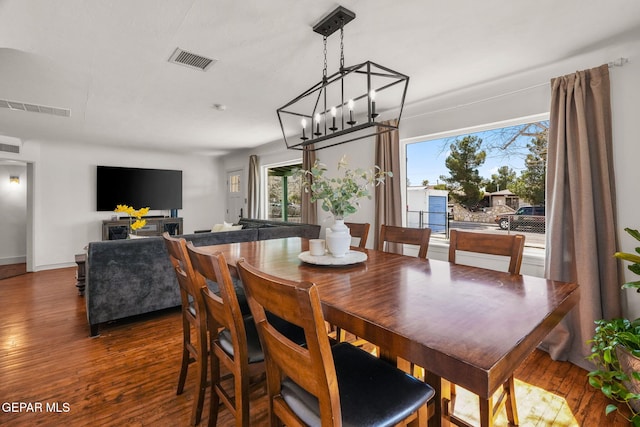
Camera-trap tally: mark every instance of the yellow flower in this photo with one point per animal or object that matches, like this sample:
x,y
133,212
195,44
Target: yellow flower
x,y
133,213
139,223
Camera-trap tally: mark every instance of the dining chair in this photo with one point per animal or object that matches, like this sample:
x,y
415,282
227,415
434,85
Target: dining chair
x,y
412,236
359,230
233,339
505,245
194,326
317,384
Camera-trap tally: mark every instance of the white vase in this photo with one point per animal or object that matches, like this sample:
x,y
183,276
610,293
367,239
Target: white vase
x,y
338,239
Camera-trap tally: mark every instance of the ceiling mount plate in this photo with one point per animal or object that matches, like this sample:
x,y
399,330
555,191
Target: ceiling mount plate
x,y
332,22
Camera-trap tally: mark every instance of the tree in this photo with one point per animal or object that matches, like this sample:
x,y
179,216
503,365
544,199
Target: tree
x,y
503,180
425,182
530,185
464,181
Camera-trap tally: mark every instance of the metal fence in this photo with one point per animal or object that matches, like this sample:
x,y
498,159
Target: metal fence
x,y
438,222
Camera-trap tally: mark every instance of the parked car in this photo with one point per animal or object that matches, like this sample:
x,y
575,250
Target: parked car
x,y
532,217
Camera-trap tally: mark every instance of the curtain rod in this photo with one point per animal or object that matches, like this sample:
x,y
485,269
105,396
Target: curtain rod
x,y
616,63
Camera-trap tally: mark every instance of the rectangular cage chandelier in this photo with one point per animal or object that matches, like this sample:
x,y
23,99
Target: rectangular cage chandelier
x,y
356,102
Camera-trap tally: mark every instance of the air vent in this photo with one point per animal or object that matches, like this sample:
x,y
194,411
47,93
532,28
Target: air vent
x,y
34,108
8,148
191,60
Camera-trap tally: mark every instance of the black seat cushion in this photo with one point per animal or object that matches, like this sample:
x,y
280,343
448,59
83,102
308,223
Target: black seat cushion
x,y
372,392
291,331
253,342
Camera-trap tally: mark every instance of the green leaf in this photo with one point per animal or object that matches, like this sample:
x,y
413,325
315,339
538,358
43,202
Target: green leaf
x,y
610,408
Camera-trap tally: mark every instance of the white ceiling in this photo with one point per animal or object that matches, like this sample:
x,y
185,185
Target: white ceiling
x,y
107,61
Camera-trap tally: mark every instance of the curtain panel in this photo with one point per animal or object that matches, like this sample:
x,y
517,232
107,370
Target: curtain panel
x,y
388,203
581,224
253,205
308,210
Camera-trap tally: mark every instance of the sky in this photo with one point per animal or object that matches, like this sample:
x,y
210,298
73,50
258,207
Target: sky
x,y
426,160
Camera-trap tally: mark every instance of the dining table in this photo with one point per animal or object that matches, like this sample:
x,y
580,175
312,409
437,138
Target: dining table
x,y
464,325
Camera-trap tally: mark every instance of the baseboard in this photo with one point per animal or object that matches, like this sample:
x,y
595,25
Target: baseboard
x,y
13,260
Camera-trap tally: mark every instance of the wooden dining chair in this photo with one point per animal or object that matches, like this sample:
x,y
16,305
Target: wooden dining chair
x,y
412,236
506,245
317,384
194,324
233,339
359,230
512,247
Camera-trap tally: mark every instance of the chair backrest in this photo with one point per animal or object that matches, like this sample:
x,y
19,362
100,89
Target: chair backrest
x,y
192,302
510,245
223,310
360,231
310,366
405,235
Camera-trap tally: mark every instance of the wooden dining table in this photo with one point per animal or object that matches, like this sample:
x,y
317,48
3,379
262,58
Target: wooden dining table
x,y
465,325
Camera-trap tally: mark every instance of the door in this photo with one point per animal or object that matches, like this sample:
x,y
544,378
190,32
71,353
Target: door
x,y
235,197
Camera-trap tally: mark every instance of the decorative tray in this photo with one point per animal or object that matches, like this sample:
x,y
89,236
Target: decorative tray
x,y
351,257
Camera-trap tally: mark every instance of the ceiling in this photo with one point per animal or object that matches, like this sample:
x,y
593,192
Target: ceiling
x,y
107,61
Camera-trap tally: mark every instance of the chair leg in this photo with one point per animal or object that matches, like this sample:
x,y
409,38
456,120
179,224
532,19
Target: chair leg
x,y
452,404
183,370
510,404
201,386
214,399
241,384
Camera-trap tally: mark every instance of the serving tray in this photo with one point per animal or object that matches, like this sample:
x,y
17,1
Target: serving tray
x,y
351,257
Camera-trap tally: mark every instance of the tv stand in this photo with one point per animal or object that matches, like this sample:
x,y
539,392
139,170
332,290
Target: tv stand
x,y
156,225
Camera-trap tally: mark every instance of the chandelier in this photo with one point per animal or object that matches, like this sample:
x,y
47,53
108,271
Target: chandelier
x,y
356,102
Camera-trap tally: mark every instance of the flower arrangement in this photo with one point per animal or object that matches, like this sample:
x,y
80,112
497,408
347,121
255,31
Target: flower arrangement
x,y
340,195
133,213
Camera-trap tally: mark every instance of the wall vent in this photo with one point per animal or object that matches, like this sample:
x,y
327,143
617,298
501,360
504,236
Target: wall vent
x,y
34,108
191,60
8,148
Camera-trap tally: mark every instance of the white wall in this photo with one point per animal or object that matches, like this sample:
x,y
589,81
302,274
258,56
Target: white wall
x,y
13,210
64,194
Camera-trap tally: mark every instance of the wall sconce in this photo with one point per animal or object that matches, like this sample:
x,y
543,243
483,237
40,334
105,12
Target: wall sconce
x,y
14,179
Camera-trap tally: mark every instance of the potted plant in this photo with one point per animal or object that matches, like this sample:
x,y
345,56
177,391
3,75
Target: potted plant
x,y
616,352
340,196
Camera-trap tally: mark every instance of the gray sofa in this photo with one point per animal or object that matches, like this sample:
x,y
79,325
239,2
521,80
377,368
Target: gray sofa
x,y
131,277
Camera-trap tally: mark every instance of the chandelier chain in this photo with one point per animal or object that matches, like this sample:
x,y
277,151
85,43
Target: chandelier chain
x,y
341,44
324,70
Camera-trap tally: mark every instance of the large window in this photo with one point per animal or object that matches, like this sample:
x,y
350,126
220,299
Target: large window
x,y
490,181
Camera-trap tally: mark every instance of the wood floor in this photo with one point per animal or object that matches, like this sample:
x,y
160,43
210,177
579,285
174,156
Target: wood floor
x,y
127,376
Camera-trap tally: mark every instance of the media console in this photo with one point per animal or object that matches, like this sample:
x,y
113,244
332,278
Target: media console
x,y
119,229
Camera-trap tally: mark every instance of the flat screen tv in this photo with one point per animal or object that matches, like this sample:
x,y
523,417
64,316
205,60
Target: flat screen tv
x,y
159,189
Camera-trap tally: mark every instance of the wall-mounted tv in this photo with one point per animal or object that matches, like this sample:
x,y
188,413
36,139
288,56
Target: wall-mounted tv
x,y
159,189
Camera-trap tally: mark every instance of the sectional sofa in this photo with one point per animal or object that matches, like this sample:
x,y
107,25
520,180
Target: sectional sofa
x,y
131,277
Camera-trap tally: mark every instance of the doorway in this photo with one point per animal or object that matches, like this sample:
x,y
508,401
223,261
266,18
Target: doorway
x,y
235,197
15,217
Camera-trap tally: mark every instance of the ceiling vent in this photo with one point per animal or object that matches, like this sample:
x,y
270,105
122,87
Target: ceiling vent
x,y
191,60
34,108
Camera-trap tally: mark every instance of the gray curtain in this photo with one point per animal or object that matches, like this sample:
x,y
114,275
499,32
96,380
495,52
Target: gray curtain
x,y
388,204
253,192
581,226
308,212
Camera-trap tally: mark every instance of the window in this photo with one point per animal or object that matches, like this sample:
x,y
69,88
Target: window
x,y
284,193
234,183
489,180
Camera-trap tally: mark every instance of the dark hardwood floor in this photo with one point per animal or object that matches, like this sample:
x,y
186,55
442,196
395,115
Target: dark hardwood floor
x,y
127,376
